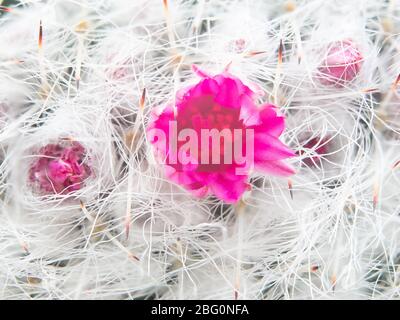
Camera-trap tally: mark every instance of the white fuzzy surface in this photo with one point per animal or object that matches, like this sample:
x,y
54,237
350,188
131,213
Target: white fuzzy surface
x,y
132,234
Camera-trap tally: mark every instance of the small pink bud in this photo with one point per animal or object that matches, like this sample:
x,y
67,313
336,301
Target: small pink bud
x,y
342,63
318,148
59,169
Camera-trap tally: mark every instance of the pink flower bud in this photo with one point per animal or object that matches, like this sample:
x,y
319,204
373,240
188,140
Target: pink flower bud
x,y
59,169
317,149
341,64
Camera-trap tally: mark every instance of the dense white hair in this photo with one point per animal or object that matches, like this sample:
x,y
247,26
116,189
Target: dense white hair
x,y
129,233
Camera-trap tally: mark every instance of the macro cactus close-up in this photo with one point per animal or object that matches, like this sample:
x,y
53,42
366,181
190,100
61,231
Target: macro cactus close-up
x,y
199,150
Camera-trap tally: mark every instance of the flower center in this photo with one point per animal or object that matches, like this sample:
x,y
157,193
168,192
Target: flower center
x,y
214,126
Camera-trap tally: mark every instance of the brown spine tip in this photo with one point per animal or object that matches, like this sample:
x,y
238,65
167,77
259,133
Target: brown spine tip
x,y
290,186
255,53
374,202
280,52
368,90
333,281
228,66
396,83
142,99
69,139
25,247
375,196
165,4
40,35
127,227
132,256
314,268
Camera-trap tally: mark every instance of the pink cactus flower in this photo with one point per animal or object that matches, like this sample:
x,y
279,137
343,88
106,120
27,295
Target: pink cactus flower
x,y
342,63
221,102
59,169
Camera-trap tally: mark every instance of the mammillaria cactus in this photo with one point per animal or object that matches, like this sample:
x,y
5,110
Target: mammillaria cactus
x,y
93,204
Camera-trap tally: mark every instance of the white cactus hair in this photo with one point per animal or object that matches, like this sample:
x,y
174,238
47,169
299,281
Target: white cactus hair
x,y
330,232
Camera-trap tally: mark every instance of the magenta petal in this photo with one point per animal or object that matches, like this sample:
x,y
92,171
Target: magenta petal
x,y
228,94
228,190
181,178
269,148
209,86
275,167
205,87
188,179
180,94
200,193
243,89
249,112
58,171
162,120
270,121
